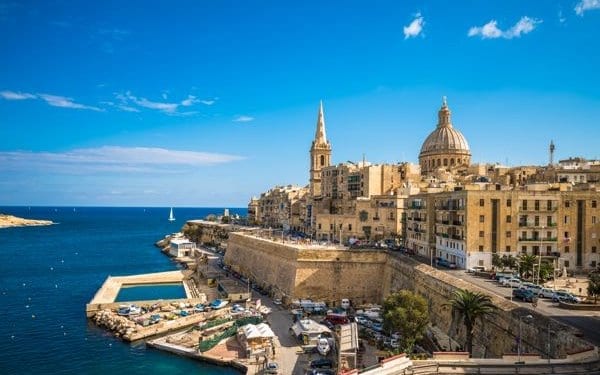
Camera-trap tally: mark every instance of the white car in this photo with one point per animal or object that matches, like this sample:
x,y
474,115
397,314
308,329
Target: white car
x,y
277,301
512,282
546,293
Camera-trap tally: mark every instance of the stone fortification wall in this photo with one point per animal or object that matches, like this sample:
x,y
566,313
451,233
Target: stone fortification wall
x,y
330,275
496,336
272,265
368,276
295,272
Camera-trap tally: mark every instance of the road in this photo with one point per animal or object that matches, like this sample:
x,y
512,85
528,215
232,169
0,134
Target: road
x,y
588,322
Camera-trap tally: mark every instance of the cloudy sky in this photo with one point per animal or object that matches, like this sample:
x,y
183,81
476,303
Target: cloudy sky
x,y
208,103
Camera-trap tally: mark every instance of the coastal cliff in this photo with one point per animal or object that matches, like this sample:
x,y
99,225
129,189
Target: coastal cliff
x,y
7,221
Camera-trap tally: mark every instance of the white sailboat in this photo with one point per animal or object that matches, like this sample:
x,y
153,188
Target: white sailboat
x,y
171,217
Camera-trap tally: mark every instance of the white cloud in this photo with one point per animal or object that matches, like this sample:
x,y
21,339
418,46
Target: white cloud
x,y
112,159
415,27
12,95
491,31
53,100
243,118
65,102
584,5
191,100
128,101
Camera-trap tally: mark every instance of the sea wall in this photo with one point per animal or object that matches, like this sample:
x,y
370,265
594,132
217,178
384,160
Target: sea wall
x,y
295,272
368,276
498,334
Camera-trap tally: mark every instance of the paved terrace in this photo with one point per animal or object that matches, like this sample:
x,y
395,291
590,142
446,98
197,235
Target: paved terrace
x,y
110,289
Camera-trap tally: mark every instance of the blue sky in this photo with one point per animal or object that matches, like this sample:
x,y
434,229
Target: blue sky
x,y
208,103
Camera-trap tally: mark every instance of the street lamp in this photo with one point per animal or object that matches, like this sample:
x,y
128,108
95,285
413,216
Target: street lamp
x,y
527,317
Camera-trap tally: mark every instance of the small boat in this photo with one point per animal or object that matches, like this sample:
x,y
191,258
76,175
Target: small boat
x,y
123,310
323,346
171,217
218,303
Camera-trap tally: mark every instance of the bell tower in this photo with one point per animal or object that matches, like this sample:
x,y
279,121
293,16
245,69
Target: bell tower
x,y
320,154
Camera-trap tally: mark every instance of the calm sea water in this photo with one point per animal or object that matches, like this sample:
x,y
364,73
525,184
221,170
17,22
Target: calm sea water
x,y
48,274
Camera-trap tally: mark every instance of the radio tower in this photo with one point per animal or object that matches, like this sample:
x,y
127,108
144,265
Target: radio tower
x,y
551,149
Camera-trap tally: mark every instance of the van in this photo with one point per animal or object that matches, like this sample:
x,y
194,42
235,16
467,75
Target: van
x,y
345,303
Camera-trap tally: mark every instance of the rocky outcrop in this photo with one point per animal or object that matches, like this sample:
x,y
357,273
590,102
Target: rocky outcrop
x,y
121,326
7,221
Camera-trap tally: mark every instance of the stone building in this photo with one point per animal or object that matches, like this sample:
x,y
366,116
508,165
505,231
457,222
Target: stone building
x,y
275,208
467,226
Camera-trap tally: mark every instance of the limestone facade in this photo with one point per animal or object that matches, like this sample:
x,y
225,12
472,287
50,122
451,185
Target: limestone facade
x,y
468,226
295,271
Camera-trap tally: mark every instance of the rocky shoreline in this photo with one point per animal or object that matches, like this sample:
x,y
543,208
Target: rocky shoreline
x,y
8,221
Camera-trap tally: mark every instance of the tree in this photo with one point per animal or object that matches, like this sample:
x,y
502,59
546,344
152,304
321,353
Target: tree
x,y
497,261
509,262
527,261
471,307
406,312
546,270
594,285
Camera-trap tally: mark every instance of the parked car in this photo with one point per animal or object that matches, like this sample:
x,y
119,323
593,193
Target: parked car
x,y
377,327
564,296
441,262
277,301
321,363
272,368
546,293
524,294
321,371
476,269
511,282
535,288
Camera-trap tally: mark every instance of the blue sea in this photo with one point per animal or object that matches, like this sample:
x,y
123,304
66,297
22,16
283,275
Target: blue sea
x,y
49,273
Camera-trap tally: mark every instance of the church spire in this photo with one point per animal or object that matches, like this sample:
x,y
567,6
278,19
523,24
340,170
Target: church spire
x,y
444,114
320,136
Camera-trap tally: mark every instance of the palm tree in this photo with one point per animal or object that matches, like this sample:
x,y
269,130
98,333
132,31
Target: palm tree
x,y
527,261
471,306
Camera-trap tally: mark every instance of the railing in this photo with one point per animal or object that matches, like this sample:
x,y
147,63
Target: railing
x,y
457,223
547,239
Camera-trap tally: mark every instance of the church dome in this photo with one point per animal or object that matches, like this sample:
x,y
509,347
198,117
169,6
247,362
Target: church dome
x,y
445,138
445,146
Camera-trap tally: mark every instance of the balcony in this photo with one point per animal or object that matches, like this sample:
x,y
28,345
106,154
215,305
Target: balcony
x,y
456,222
538,209
547,239
534,225
457,237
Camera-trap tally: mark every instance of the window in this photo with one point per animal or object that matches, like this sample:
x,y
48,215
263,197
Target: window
x,y
508,248
508,218
594,249
593,204
480,248
566,219
508,202
566,234
549,221
549,205
536,221
322,160
536,204
481,218
508,234
567,249
481,202
319,225
548,234
524,204
523,235
593,264
330,226
566,264
593,219
567,204
524,249
349,226
481,234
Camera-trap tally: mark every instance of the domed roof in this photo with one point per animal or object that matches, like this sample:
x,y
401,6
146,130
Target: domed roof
x,y
445,138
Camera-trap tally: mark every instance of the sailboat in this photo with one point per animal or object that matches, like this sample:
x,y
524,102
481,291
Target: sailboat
x,y
171,217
